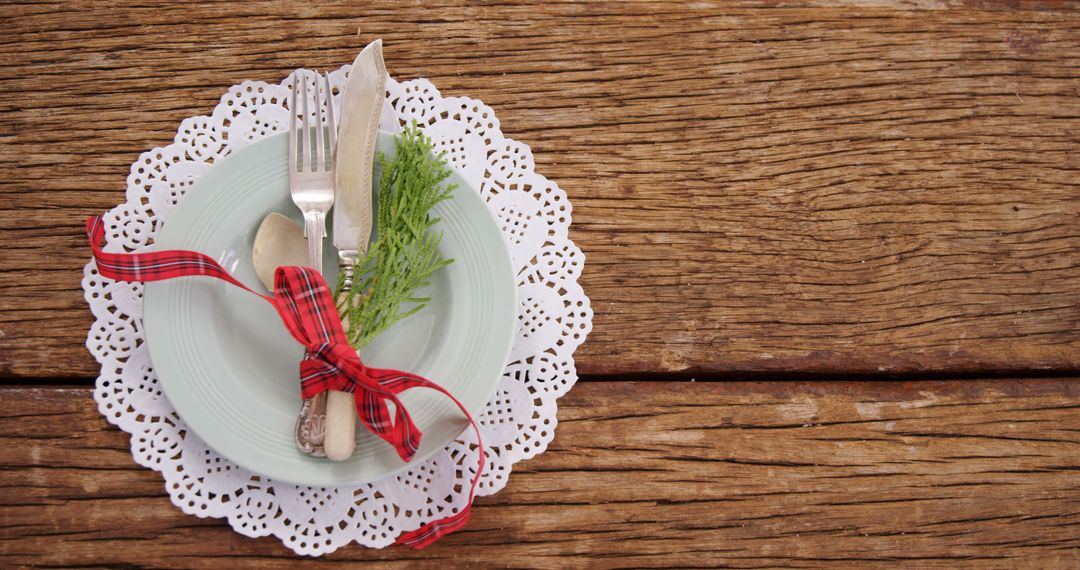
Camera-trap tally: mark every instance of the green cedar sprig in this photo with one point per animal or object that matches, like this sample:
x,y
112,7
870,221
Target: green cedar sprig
x,y
406,252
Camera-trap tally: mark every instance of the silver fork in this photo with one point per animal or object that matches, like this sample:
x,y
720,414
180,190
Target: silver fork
x,y
311,182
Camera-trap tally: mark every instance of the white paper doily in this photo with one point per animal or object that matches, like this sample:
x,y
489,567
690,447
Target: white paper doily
x,y
554,318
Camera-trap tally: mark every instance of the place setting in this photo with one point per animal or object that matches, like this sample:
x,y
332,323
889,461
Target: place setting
x,y
336,309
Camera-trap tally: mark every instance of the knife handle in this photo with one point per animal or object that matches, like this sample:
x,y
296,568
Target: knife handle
x,y
340,439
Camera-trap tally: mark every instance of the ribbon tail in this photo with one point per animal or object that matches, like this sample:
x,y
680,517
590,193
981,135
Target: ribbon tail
x,y
397,382
402,433
426,535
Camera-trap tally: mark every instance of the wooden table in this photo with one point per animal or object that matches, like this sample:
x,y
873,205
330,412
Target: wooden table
x,y
832,248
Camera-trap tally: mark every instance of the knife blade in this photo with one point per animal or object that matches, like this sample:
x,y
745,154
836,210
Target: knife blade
x,y
361,109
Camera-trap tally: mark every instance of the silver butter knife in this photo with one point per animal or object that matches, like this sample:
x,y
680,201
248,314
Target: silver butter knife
x,y
361,108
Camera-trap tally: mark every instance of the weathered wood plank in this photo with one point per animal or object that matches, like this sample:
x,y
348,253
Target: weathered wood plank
x,y
934,474
832,189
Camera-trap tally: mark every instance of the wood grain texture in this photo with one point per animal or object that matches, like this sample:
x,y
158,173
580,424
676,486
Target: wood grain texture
x,y
746,475
828,187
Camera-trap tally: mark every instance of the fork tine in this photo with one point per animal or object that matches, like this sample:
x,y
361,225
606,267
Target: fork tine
x,y
331,125
292,126
320,150
305,139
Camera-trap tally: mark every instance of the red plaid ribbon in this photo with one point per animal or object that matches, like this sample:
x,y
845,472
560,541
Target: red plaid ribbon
x,y
306,306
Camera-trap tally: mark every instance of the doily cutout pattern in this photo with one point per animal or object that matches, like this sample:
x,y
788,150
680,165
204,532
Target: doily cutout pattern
x,y
554,318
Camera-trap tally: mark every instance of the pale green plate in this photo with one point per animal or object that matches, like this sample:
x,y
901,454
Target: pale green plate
x,y
229,367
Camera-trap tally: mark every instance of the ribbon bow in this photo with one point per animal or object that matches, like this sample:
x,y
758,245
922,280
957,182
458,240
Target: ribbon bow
x,y
306,306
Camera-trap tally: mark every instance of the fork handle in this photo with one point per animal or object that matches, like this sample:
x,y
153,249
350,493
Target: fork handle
x,y
315,231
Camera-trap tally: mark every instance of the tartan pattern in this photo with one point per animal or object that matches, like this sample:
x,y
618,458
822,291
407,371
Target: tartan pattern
x,y
306,306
